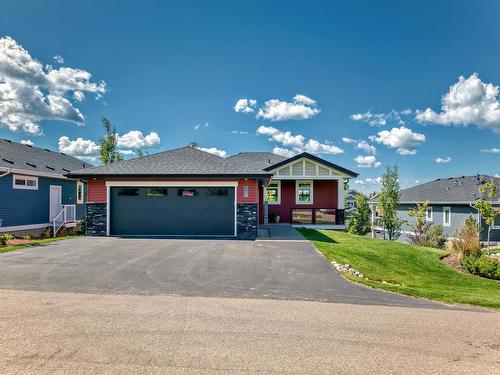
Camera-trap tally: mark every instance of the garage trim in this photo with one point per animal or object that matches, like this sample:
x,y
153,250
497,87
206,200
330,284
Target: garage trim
x,y
145,183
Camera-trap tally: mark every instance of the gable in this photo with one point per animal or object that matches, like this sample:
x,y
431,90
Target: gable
x,y
305,167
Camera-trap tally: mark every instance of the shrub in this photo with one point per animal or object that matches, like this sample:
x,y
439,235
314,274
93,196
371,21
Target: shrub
x,y
482,265
6,237
424,233
360,222
27,237
466,241
70,232
47,233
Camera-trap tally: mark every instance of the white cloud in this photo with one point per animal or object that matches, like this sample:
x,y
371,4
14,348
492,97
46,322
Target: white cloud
x,y
245,105
402,138
368,181
367,161
283,152
468,102
244,132
213,150
127,152
58,59
348,140
30,93
443,160
135,139
366,147
301,108
78,147
27,142
298,142
493,150
381,119
204,125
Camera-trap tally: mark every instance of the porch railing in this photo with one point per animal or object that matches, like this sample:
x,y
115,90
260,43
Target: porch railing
x,y
67,214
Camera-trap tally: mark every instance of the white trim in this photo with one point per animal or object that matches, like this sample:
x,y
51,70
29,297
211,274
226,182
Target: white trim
x,y
26,179
78,200
332,172
445,224
109,184
52,215
146,183
33,173
332,177
311,194
429,208
16,228
340,194
279,192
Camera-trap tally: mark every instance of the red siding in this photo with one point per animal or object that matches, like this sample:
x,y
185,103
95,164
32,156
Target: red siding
x,y
96,191
253,191
325,195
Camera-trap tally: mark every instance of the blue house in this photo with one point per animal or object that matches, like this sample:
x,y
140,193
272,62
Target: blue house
x,y
451,203
34,193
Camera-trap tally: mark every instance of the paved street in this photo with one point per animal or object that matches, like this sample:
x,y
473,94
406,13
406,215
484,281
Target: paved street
x,y
66,333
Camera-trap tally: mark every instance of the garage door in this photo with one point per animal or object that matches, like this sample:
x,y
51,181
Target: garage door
x,y
172,211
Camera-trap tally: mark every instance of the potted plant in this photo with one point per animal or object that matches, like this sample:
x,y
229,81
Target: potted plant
x,y
276,218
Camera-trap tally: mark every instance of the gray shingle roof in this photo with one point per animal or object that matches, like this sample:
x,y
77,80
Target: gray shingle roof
x,y
185,161
39,160
464,189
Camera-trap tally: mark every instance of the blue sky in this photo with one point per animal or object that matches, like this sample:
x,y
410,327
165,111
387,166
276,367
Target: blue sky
x,y
170,66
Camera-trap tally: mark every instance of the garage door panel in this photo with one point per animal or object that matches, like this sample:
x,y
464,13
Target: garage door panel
x,y
173,214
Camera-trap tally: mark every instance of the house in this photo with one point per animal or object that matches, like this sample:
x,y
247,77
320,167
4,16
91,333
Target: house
x,y
350,199
34,193
451,202
189,192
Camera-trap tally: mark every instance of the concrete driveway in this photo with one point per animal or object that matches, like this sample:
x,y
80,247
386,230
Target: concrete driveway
x,y
288,270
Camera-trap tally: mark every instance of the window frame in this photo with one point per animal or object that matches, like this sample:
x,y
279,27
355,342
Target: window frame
x,y
26,179
427,218
446,224
497,218
311,190
147,194
78,199
278,187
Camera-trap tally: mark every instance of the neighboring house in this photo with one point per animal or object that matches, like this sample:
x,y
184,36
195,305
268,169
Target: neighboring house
x,y
451,202
34,190
350,199
189,192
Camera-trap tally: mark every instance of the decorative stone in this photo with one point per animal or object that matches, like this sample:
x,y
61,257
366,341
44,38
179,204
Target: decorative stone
x,y
96,219
247,221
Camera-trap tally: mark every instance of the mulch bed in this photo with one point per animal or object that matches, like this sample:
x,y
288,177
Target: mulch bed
x,y
454,262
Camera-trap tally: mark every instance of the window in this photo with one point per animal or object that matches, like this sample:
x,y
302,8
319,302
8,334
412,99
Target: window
x,y
127,192
304,193
272,193
446,216
217,192
79,192
428,214
25,182
496,223
188,192
302,216
156,192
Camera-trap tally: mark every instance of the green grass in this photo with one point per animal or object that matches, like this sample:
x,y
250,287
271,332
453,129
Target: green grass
x,y
407,269
35,243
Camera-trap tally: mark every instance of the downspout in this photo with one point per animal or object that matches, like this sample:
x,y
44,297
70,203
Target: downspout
x,y
6,173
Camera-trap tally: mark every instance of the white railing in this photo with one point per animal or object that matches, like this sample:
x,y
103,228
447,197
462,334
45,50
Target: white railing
x,y
67,214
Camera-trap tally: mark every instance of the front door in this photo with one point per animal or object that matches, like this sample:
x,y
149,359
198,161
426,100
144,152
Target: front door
x,y
55,204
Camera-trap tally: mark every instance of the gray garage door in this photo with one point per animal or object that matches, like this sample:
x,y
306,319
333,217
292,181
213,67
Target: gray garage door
x,y
172,211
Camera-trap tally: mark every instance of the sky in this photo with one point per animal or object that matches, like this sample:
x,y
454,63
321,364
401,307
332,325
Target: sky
x,y
362,84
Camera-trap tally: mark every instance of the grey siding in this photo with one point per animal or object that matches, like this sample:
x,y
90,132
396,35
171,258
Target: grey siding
x,y
26,207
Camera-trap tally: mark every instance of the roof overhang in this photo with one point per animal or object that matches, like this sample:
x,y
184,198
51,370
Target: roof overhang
x,y
27,172
167,176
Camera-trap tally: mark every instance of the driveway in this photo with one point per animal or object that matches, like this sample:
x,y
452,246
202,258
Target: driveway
x,y
287,270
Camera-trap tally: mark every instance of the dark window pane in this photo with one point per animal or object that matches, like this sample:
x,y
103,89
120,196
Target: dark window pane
x,y
302,216
325,216
128,192
157,192
20,182
188,192
212,192
30,183
272,194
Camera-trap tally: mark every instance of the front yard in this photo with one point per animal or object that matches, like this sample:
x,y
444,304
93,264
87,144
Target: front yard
x,y
406,269
13,245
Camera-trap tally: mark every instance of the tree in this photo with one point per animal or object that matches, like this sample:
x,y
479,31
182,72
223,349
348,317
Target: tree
x,y
108,144
139,153
360,222
424,233
388,202
485,208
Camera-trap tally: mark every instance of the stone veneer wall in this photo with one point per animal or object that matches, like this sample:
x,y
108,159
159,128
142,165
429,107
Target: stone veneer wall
x,y
247,219
96,219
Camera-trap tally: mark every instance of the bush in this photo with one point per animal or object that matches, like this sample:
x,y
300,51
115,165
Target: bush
x,y
360,222
70,232
27,237
466,242
482,265
5,237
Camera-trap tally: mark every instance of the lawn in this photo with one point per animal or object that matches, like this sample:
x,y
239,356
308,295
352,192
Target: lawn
x,y
4,249
406,269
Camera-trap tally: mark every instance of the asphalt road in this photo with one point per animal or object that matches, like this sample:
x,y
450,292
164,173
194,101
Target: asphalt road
x,y
288,270
63,333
